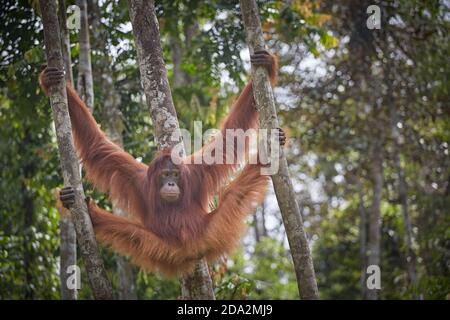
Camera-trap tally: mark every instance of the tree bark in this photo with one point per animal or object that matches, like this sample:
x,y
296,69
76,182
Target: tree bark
x,y
101,287
68,239
177,48
85,86
65,40
284,190
127,287
177,53
197,285
153,71
403,198
113,125
113,128
362,242
259,223
28,171
256,227
263,219
375,212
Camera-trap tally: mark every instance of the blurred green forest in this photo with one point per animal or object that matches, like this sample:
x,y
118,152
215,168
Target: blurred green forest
x,y
367,112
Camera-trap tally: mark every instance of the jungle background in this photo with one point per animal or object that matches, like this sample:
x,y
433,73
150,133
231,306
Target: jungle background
x,y
366,112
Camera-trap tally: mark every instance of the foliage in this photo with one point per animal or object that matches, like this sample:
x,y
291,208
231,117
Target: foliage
x,y
342,87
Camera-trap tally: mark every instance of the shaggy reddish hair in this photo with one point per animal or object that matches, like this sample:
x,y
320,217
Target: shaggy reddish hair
x,y
158,235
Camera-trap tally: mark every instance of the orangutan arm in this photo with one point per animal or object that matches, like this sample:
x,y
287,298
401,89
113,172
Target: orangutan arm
x,y
239,199
244,116
108,166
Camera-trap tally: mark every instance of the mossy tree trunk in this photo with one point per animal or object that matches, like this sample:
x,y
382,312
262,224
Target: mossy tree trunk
x,y
282,183
99,282
197,285
68,238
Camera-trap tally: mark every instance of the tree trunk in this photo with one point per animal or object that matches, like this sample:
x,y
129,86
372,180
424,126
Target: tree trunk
x,y
362,242
28,171
68,246
402,184
113,128
375,212
177,46
198,285
177,54
113,125
101,287
125,272
256,227
284,190
259,223
263,219
403,198
85,86
65,40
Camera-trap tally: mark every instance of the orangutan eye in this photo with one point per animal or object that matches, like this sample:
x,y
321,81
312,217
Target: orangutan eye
x,y
176,174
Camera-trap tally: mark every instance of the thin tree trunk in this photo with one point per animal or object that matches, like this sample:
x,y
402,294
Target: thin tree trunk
x,y
197,285
125,273
403,198
113,128
85,86
375,212
259,223
256,227
28,255
402,184
263,219
28,172
101,287
177,54
181,78
65,40
113,124
68,239
362,243
284,190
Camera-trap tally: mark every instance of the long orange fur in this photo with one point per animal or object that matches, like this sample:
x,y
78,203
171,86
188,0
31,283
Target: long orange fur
x,y
157,236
